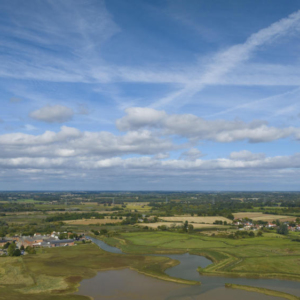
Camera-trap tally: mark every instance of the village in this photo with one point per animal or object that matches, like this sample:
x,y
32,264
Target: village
x,y
27,243
248,224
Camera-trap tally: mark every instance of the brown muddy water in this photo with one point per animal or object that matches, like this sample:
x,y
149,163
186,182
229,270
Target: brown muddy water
x,y
128,284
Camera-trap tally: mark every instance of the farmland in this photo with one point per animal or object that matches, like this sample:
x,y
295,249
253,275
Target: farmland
x,y
91,221
259,216
206,220
178,224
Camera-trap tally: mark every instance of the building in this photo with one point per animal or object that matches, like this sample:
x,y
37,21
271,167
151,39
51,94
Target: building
x,y
43,241
3,242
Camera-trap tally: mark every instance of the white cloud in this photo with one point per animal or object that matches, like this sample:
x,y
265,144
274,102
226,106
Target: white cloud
x,y
148,164
138,117
72,142
196,128
53,114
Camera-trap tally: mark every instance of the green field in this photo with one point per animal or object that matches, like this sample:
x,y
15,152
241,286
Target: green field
x,y
269,256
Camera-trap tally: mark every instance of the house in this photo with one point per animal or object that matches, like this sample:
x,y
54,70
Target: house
x,y
44,241
61,243
35,241
292,228
3,242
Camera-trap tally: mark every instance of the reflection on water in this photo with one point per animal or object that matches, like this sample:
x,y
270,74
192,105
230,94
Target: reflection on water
x,y
128,284
105,247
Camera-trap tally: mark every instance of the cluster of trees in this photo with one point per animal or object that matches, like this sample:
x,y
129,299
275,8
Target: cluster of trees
x,y
220,222
185,228
241,234
74,216
99,232
12,249
64,236
15,207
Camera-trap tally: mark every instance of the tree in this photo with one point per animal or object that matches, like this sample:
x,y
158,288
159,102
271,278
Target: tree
x,y
63,236
251,234
17,252
6,245
190,228
73,236
11,249
103,231
259,233
283,229
185,226
30,250
22,248
230,216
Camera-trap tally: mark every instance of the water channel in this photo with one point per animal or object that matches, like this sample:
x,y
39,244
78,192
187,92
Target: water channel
x,y
128,284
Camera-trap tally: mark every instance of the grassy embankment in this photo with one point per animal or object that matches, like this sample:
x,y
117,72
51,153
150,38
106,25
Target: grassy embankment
x,y
262,291
56,273
270,256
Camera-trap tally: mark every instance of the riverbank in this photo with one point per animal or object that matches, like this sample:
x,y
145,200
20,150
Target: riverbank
x,y
262,291
259,257
56,273
189,262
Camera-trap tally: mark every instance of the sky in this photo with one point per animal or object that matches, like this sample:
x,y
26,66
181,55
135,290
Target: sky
x,y
150,95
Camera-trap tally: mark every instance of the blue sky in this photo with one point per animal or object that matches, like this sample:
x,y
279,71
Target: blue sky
x,y
149,95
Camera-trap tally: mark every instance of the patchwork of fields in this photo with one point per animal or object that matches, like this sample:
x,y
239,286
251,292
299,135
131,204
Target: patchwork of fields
x,y
206,220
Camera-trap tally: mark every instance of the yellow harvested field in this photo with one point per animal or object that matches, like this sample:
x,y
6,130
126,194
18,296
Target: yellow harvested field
x,y
137,203
81,211
91,221
53,212
206,220
169,224
258,216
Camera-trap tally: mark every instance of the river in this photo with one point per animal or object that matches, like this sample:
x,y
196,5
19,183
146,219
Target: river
x,y
128,284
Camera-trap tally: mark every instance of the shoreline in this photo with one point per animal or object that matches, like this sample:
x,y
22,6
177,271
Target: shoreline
x,y
262,291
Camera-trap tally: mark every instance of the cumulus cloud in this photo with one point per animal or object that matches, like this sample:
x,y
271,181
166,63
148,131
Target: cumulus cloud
x,y
53,114
138,117
70,141
197,128
150,164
